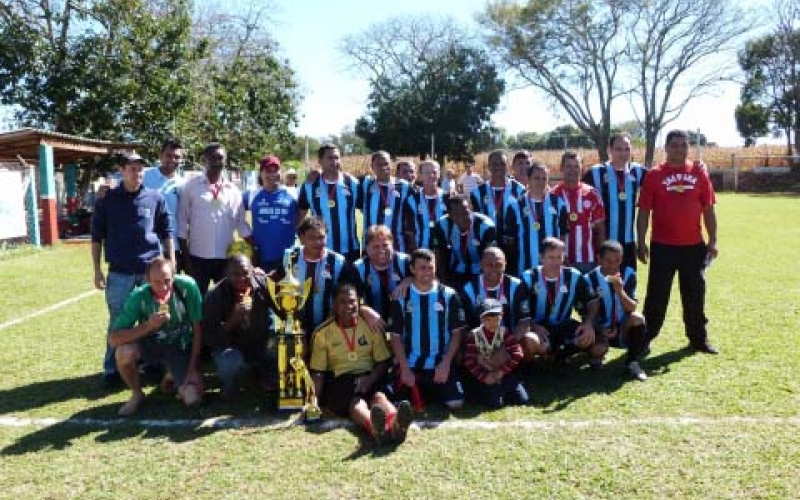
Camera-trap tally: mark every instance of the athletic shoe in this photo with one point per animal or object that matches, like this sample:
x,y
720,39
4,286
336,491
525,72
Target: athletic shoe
x,y
636,371
377,417
402,421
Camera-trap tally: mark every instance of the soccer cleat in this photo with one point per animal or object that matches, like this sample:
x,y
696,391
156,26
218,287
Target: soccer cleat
x,y
636,371
402,421
377,417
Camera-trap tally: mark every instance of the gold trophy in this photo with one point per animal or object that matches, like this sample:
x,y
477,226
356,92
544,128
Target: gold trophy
x,y
296,390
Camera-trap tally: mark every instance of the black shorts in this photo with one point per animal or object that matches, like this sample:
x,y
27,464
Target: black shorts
x,y
452,390
339,392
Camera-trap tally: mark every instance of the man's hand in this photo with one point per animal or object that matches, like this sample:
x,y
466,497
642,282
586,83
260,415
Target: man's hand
x,y
99,280
442,372
585,336
373,319
157,320
643,252
401,288
407,377
615,282
494,377
712,250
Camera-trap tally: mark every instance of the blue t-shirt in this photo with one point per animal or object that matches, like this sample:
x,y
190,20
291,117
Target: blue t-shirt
x,y
169,188
273,221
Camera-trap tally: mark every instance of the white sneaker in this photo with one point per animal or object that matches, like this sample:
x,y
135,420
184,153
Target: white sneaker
x,y
636,371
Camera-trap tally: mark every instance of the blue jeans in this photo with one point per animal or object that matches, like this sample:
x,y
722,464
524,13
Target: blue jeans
x,y
118,288
232,362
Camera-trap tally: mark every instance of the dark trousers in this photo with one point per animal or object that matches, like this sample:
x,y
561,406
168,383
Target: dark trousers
x,y
629,256
688,262
204,271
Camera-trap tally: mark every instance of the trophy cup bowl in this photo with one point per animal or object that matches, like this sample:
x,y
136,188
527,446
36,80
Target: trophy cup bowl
x,y
295,390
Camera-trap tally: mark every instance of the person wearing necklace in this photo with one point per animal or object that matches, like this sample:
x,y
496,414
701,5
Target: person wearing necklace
x,y
333,196
618,323
425,328
554,291
349,362
423,209
537,214
492,355
494,283
464,235
210,209
238,327
493,198
382,270
618,181
586,214
382,197
160,324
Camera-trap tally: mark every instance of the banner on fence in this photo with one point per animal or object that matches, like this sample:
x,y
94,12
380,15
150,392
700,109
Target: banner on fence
x,y
12,205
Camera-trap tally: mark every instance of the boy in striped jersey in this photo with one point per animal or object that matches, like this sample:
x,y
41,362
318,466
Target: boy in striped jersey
x,y
423,209
586,214
333,196
463,236
382,198
534,216
492,356
381,270
425,328
618,322
618,182
554,291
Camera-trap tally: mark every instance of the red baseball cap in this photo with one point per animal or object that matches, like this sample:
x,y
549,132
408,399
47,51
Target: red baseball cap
x,y
270,161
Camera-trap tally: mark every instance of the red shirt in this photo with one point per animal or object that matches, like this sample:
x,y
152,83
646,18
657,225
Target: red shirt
x,y
584,209
677,198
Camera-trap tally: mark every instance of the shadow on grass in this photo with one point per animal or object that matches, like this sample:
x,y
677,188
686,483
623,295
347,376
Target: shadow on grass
x,y
95,420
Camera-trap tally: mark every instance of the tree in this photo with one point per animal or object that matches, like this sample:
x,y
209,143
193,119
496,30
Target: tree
x,y
570,50
585,55
244,95
427,86
675,47
115,69
771,92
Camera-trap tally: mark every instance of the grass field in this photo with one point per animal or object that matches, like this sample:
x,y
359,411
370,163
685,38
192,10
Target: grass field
x,y
701,427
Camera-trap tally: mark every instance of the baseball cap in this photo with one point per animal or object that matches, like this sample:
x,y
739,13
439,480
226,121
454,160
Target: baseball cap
x,y
270,161
490,306
291,171
132,157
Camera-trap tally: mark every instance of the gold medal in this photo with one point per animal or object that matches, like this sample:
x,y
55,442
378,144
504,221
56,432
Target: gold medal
x,y
387,212
331,204
573,217
352,356
163,308
536,226
432,224
623,197
216,202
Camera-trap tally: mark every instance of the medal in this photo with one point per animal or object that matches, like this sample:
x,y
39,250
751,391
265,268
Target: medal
x,y
387,212
432,224
216,202
352,356
163,308
350,341
623,196
331,204
536,226
573,217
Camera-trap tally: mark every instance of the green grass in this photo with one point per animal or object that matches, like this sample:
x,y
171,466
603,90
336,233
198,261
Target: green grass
x,y
599,435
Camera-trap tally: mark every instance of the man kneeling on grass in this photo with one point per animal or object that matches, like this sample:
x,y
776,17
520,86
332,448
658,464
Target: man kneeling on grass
x,y
160,323
359,358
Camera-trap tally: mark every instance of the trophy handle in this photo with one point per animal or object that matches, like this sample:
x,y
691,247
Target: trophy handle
x,y
306,293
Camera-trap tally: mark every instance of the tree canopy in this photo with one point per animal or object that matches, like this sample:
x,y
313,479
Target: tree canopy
x,y
427,86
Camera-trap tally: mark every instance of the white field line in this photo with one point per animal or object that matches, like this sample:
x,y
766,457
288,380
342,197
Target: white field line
x,y
277,423
47,309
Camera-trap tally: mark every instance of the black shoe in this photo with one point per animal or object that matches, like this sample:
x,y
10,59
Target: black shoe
x,y
704,347
112,381
402,421
519,395
377,417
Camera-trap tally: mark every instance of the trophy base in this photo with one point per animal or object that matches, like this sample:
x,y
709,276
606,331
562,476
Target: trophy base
x,y
290,403
312,414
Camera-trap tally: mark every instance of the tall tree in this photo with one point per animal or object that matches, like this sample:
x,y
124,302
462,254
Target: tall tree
x,y
771,92
428,85
585,55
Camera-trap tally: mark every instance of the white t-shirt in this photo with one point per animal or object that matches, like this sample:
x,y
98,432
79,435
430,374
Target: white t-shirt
x,y
468,182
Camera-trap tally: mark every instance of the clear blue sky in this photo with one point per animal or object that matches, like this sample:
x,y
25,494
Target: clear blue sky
x,y
309,32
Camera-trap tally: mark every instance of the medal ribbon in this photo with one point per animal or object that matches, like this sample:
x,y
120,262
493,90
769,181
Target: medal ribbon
x,y
389,193
350,341
431,208
464,238
499,195
569,194
332,192
551,297
383,275
317,270
215,189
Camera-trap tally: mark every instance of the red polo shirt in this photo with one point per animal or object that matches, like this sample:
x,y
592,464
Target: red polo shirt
x,y
677,197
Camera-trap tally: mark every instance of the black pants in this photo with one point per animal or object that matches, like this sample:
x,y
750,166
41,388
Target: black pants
x,y
204,271
629,256
688,262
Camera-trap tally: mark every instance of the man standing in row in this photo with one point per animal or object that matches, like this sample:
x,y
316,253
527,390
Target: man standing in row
x,y
131,225
168,180
382,198
679,195
618,182
210,211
